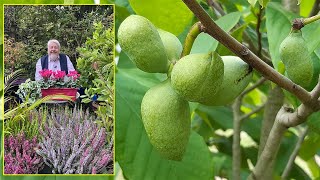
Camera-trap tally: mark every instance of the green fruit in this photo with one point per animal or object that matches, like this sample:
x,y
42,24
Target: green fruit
x,y
171,44
166,118
139,38
237,75
197,77
296,58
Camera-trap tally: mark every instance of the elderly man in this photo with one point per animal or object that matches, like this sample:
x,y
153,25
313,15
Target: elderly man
x,y
54,60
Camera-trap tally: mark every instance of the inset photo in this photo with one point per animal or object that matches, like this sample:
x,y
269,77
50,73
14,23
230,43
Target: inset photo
x,y
58,89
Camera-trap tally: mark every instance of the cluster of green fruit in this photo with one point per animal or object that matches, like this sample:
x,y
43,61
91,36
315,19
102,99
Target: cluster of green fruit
x,y
205,78
297,60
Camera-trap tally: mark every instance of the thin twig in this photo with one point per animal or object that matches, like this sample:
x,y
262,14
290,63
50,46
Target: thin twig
x,y
294,154
216,6
258,32
257,109
245,54
258,83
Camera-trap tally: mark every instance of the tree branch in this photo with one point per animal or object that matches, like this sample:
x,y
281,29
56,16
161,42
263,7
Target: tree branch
x,y
245,54
294,154
315,93
273,105
269,153
236,148
290,118
257,109
216,6
258,83
237,121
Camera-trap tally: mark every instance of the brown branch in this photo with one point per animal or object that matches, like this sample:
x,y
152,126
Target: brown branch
x,y
216,6
273,105
294,154
245,54
258,83
236,148
257,109
290,118
269,153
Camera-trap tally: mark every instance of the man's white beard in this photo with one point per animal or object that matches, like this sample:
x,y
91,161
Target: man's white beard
x,y
54,56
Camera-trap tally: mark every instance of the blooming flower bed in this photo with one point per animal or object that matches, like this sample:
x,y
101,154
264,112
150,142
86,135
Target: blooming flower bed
x,y
69,142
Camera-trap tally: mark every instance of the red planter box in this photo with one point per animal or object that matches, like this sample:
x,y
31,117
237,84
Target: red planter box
x,y
72,92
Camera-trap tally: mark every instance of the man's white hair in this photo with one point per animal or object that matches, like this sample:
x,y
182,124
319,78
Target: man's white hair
x,y
54,41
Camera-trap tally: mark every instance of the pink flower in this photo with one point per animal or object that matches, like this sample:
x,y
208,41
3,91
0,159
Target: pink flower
x,y
45,73
74,74
58,74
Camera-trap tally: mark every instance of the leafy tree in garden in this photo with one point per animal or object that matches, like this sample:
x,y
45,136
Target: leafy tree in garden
x,y
35,25
272,122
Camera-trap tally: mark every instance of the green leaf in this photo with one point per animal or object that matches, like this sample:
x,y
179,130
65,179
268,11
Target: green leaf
x,y
169,15
309,32
314,167
205,43
136,156
306,7
252,2
237,34
263,3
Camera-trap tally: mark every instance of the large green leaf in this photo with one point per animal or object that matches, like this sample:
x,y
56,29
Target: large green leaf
x,y
136,156
205,43
305,7
169,15
263,3
310,146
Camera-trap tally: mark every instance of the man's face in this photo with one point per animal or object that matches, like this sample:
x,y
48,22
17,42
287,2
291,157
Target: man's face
x,y
53,51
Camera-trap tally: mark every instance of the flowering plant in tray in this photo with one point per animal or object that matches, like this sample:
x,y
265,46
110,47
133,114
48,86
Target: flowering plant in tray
x,y
58,79
59,83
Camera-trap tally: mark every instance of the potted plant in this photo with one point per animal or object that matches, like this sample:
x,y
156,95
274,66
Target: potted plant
x,y
58,83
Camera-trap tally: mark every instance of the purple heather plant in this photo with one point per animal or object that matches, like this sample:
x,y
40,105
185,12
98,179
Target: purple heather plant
x,y
20,156
74,144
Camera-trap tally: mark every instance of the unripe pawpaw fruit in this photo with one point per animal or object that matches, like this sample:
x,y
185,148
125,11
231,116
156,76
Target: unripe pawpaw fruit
x,y
237,75
296,58
139,38
166,118
197,77
171,44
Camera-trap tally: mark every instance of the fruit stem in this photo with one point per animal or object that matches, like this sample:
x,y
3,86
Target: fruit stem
x,y
299,23
191,37
311,19
170,69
